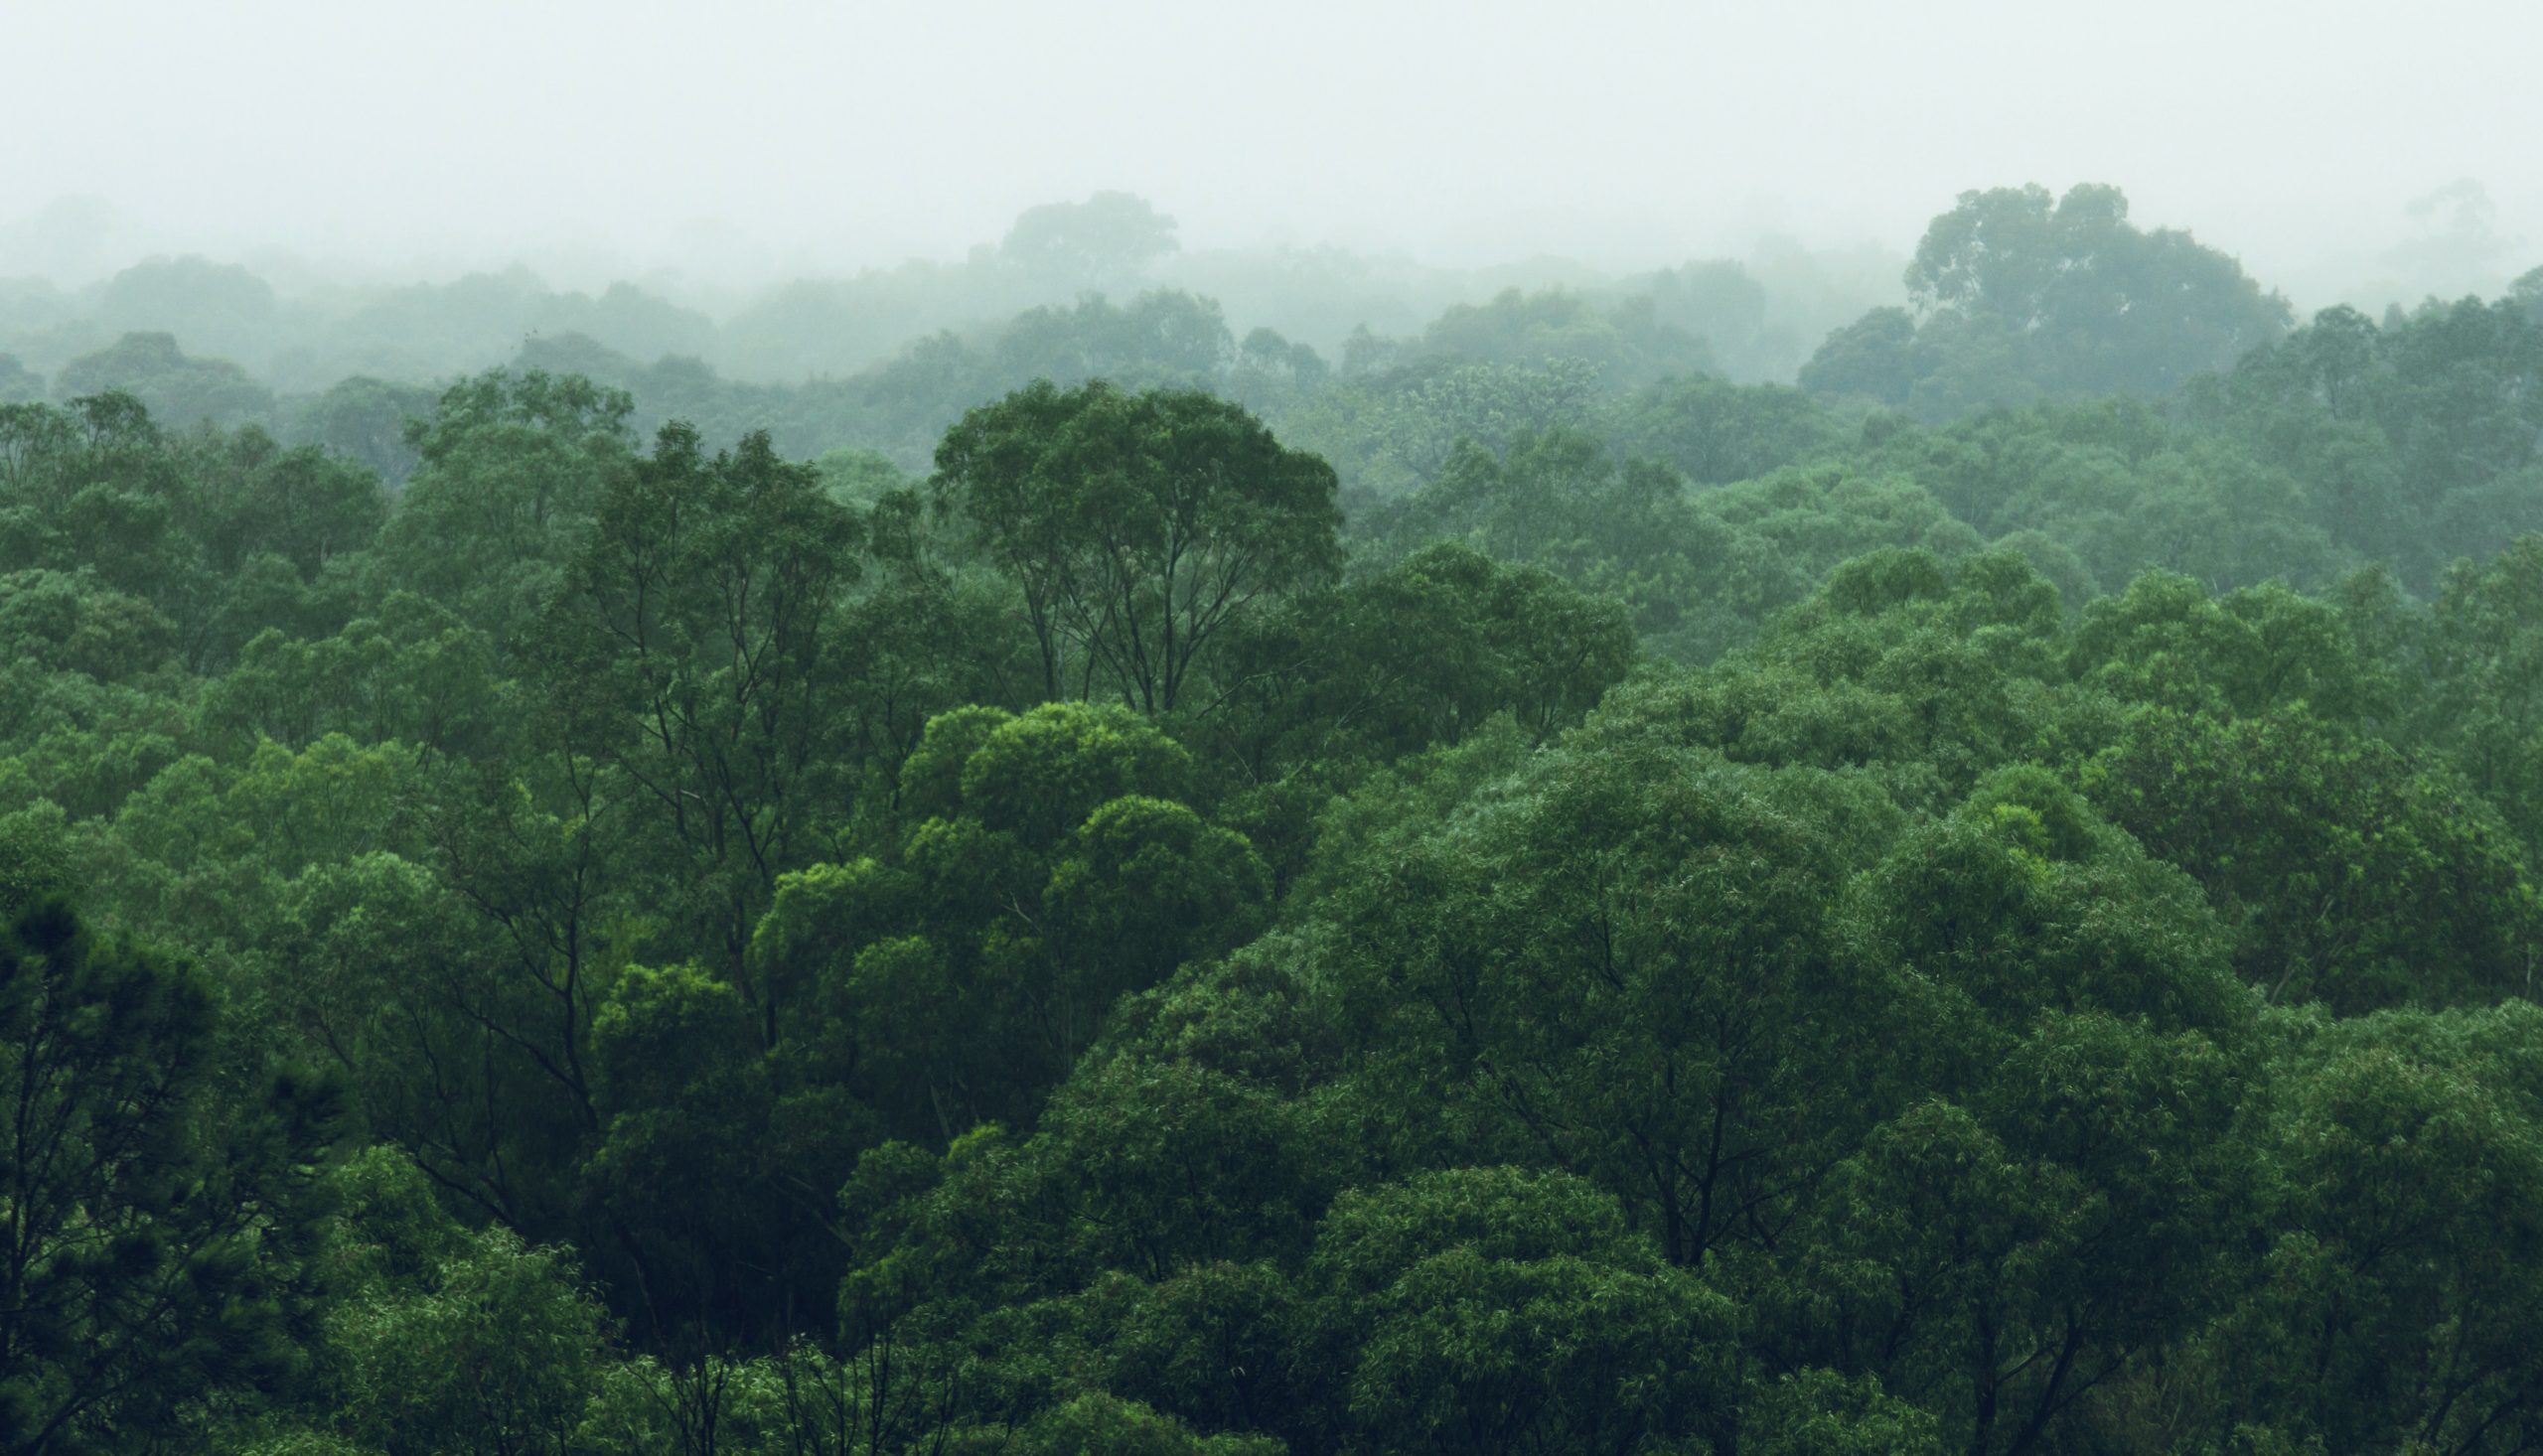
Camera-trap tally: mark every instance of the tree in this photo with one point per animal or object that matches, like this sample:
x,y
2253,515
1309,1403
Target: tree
x,y
1160,337
1423,652
1560,500
1049,865
1272,370
2150,308
221,307
1719,300
2396,1298
1625,343
250,497
151,1237
1619,962
512,469
2063,1199
17,384
1394,431
717,1169
692,650
2346,874
1103,1425
2020,295
1874,358
1715,432
1495,1309
1138,526
446,1338
1111,237
179,391
94,487
2487,663
365,419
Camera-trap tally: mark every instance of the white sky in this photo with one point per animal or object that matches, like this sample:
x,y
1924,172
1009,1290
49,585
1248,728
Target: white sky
x,y
823,136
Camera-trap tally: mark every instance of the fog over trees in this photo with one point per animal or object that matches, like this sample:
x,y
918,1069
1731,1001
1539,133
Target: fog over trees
x,y
980,730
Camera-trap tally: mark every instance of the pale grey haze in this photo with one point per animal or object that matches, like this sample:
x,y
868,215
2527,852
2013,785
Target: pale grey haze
x,y
742,141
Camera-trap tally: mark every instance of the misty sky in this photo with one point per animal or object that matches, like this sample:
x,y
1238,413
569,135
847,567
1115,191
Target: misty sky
x,y
820,137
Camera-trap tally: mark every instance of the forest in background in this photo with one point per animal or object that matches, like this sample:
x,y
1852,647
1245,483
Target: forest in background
x,y
1744,859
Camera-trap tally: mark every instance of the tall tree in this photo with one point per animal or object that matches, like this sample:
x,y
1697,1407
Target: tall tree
x,y
1139,525
2022,294
692,650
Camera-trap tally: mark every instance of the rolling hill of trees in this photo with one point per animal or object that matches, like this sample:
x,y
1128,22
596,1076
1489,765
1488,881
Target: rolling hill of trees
x,y
971,861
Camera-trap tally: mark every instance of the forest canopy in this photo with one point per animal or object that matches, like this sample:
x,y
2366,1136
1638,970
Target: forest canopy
x,y
1027,856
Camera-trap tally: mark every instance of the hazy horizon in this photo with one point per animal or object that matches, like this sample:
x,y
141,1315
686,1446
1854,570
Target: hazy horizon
x,y
766,141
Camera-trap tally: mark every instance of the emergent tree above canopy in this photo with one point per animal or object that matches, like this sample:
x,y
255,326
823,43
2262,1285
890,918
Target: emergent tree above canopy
x,y
1137,526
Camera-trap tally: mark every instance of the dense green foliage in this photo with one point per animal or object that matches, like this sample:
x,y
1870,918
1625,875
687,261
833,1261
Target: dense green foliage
x,y
1504,894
